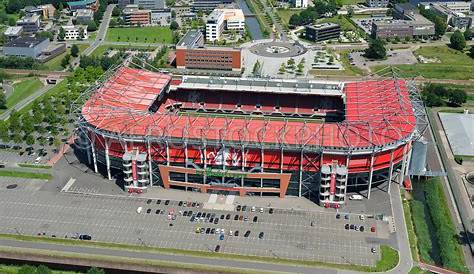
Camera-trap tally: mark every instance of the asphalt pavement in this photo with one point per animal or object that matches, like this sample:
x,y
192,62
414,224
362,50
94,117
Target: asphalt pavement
x,y
102,32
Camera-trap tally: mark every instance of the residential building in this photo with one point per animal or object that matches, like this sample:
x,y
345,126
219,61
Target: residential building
x,y
377,3
13,32
30,24
234,19
192,54
26,47
150,4
74,32
214,25
300,3
132,15
208,5
83,4
83,16
160,16
322,32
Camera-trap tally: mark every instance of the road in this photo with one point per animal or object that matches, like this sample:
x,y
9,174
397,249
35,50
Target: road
x,y
102,32
27,101
8,88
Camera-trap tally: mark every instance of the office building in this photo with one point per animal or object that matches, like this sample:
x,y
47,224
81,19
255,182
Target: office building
x,y
377,3
150,4
26,47
300,3
234,19
208,5
160,16
322,32
132,15
214,25
31,24
83,16
13,32
75,33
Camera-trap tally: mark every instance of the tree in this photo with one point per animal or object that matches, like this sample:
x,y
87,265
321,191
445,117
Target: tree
x,y
14,6
295,20
81,33
29,139
376,50
4,135
75,50
3,100
41,269
282,69
440,26
65,61
457,97
471,52
468,35
457,41
61,34
174,25
11,21
27,124
27,269
91,26
45,34
433,100
117,11
350,11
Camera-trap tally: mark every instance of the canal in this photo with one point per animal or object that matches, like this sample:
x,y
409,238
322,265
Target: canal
x,y
250,21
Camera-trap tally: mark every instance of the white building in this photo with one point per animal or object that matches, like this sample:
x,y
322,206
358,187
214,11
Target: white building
x,y
72,32
300,3
214,25
455,6
13,32
234,19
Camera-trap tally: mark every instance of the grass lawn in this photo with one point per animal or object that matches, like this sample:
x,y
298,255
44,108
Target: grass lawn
x,y
56,89
285,14
411,230
23,90
454,64
140,35
345,24
15,269
417,270
34,166
23,174
55,63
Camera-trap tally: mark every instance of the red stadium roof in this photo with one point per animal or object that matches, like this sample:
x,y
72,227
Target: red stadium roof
x,y
377,113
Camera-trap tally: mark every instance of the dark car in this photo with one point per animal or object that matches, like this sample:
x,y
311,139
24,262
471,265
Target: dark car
x,y
208,215
213,231
158,202
222,217
346,216
148,211
157,211
260,235
213,215
361,228
346,226
192,219
236,217
167,202
190,213
270,211
148,202
227,217
218,247
185,213
211,220
352,226
236,233
247,233
238,208
338,216
208,230
85,237
244,208
198,215
216,221
193,204
180,203
255,219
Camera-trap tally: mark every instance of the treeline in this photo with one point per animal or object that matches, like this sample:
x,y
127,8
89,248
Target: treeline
x,y
103,62
16,62
436,95
14,6
451,254
439,21
41,269
320,9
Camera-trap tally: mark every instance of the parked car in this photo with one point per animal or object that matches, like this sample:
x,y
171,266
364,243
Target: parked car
x,y
338,216
158,202
244,208
85,237
167,202
180,203
227,217
361,228
238,208
255,219
347,226
139,209
216,221
270,211
247,233
236,233
373,250
222,217
356,197
372,228
218,247
148,211
236,217
260,235
148,202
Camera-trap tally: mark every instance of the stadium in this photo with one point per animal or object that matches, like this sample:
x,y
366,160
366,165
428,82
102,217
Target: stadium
x,y
306,138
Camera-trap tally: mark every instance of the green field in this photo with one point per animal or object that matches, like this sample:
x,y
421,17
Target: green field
x,y
140,35
23,90
23,174
453,64
345,24
349,2
285,14
55,63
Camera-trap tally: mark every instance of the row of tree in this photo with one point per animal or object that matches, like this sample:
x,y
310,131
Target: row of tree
x,y
16,62
41,269
325,8
436,95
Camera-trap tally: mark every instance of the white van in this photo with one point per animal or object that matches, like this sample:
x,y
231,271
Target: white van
x,y
356,197
38,160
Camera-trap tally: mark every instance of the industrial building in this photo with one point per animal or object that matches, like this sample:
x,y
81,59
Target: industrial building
x,y
455,15
313,139
322,32
192,54
26,47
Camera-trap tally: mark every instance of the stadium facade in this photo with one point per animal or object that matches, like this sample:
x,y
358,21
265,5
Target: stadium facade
x,y
317,139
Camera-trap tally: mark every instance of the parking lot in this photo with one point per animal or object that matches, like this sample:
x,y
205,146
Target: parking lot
x,y
292,234
13,156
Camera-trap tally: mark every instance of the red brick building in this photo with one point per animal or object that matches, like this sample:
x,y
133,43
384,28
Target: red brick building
x,y
192,54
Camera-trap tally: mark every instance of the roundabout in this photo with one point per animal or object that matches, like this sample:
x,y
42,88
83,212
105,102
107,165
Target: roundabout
x,y
277,49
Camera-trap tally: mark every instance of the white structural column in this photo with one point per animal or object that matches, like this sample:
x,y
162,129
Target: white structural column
x,y
262,156
186,162
243,166
301,173
347,177
390,170
281,160
94,158
407,164
204,177
167,153
107,158
150,166
402,170
223,163
371,174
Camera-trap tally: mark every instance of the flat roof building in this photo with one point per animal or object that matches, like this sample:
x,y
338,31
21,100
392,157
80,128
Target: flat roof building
x,y
214,25
13,32
208,5
234,19
30,24
135,16
84,16
322,32
300,3
377,3
192,54
26,47
75,32
150,4
83,4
